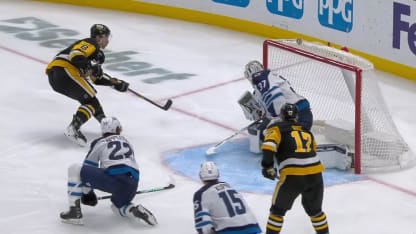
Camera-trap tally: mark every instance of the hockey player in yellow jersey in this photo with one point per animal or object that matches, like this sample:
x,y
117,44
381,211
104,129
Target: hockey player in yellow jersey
x,y
72,72
300,170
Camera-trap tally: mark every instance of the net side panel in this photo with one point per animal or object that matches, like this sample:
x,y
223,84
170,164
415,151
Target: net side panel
x,y
330,87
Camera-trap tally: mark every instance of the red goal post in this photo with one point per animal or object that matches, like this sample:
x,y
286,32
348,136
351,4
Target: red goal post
x,y
345,99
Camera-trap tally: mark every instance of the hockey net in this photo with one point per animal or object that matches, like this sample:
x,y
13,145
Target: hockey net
x,y
346,100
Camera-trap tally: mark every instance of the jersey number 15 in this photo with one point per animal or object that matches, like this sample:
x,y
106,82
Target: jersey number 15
x,y
234,204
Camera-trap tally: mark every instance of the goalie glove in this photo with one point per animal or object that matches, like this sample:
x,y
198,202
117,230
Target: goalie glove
x,y
251,107
269,173
89,199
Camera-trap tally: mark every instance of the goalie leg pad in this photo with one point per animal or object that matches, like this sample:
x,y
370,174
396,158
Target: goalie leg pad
x,y
335,156
254,139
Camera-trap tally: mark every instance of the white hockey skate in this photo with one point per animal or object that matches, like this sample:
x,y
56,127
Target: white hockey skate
x,y
75,135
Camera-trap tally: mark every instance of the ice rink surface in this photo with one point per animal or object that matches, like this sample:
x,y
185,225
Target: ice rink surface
x,y
205,64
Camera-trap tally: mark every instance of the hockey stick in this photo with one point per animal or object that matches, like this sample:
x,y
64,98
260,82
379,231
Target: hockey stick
x,y
212,149
156,189
165,107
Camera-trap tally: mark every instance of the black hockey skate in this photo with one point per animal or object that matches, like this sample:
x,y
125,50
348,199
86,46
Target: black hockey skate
x,y
142,213
74,215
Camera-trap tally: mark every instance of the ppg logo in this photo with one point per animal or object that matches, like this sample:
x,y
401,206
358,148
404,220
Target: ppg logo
x,y
336,14
239,3
288,8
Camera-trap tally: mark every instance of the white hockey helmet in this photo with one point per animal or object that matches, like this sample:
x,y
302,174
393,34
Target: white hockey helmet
x,y
209,171
110,125
251,68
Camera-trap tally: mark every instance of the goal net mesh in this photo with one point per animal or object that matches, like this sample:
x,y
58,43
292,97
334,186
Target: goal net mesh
x,y
342,89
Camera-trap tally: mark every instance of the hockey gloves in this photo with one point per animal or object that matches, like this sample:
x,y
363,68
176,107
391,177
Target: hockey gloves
x,y
121,85
269,173
89,199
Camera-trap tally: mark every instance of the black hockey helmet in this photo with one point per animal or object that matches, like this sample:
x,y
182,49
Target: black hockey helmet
x,y
99,30
289,112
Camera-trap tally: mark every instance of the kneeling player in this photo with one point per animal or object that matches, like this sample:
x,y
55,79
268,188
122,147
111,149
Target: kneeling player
x,y
109,166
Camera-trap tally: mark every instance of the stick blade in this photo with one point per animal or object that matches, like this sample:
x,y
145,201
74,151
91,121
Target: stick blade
x,y
210,151
167,105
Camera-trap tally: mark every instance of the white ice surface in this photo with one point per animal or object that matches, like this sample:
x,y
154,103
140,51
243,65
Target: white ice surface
x,y
34,154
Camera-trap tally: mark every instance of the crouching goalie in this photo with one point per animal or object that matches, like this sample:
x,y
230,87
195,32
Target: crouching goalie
x,y
271,92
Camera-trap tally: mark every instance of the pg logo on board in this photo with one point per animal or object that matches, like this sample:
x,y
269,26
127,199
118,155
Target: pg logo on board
x,y
288,8
336,14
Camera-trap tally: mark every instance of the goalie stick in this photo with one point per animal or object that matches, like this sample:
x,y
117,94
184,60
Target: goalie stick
x,y
165,107
156,189
212,149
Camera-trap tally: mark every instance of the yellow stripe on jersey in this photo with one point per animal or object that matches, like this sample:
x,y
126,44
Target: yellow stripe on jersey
x,y
83,47
73,73
307,170
74,53
277,187
271,146
273,134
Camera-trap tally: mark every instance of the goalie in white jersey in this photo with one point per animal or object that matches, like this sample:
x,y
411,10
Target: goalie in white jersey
x,y
109,166
271,92
218,208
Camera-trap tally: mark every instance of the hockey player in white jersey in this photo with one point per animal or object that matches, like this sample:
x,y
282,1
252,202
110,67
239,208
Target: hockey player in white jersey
x,y
271,92
109,166
218,208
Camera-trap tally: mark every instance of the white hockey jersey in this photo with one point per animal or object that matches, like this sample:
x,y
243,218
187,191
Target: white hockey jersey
x,y
272,91
111,151
220,209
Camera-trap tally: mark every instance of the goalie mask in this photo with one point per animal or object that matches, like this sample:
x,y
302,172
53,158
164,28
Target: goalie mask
x,y
251,68
110,125
209,171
